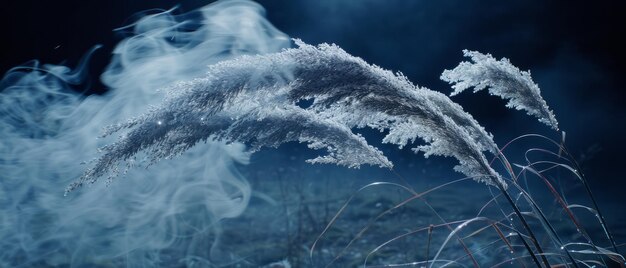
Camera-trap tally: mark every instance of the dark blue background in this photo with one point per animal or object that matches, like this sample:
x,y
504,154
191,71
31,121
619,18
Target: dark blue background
x,y
573,48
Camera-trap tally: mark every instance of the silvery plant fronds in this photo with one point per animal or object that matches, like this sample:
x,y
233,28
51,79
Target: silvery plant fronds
x,y
253,118
504,80
254,100
359,94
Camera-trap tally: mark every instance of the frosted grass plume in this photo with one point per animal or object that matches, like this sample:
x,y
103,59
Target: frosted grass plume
x,y
503,80
346,92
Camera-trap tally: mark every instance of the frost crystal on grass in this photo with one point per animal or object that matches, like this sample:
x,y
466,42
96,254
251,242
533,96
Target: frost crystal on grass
x,y
359,95
167,132
253,99
504,80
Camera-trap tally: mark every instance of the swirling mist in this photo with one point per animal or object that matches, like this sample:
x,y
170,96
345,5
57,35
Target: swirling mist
x,y
167,214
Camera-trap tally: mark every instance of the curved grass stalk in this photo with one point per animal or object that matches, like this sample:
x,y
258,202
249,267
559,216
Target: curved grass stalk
x,y
419,264
414,196
579,175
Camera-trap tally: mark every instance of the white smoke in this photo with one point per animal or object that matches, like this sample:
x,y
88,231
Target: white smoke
x,y
47,130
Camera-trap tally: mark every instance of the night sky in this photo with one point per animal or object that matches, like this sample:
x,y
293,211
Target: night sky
x,y
573,49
